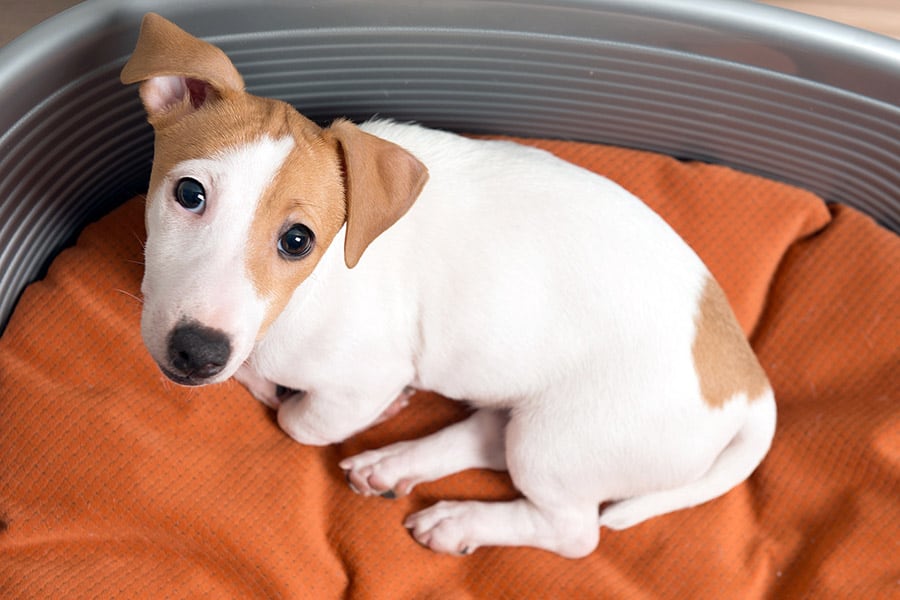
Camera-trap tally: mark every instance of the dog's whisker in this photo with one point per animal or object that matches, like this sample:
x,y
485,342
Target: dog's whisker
x,y
130,295
140,240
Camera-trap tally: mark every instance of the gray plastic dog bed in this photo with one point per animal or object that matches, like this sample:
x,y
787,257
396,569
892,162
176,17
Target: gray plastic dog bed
x,y
757,88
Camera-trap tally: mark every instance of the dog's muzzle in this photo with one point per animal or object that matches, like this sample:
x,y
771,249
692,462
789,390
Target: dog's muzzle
x,y
196,354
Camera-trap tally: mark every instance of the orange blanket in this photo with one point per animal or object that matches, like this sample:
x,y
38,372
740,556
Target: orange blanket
x,y
115,483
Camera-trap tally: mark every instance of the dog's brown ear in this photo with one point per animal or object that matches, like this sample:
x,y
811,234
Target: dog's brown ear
x,y
382,181
179,73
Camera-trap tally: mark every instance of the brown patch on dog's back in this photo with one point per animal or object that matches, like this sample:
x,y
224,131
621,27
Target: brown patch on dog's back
x,y
723,358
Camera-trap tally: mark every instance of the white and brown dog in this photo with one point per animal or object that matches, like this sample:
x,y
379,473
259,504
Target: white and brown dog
x,y
354,263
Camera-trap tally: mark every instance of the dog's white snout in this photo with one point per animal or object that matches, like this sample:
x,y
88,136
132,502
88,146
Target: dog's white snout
x,y
196,353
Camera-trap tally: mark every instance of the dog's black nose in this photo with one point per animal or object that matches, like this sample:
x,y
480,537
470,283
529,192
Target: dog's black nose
x,y
197,352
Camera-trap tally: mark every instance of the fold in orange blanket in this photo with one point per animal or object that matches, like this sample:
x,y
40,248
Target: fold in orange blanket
x,y
115,483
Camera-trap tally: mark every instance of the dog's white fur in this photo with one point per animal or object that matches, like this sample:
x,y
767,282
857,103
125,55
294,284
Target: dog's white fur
x,y
557,304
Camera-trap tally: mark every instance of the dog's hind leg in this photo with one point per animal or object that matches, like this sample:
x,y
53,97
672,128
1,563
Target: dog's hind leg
x,y
736,462
476,442
558,512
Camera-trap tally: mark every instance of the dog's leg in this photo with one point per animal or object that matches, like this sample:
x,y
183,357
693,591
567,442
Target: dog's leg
x,y
558,512
462,527
262,389
339,405
323,416
271,394
736,462
476,442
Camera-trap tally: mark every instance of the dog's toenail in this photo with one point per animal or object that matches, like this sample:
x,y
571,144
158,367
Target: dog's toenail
x,y
464,551
350,483
390,495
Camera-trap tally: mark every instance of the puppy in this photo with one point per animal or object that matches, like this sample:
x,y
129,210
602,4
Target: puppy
x,y
352,263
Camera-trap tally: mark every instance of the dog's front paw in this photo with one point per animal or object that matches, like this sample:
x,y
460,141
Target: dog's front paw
x,y
293,418
445,527
388,471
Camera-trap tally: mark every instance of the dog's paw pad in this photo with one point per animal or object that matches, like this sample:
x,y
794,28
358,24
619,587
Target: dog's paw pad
x,y
443,528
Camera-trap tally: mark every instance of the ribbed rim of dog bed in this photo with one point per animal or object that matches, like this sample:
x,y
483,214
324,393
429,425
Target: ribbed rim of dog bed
x,y
764,90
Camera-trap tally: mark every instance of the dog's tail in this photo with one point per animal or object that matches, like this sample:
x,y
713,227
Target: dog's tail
x,y
736,462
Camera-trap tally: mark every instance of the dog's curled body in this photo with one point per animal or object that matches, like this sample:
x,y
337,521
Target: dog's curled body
x,y
521,283
602,358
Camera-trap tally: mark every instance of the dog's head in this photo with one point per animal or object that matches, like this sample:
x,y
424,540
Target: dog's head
x,y
245,196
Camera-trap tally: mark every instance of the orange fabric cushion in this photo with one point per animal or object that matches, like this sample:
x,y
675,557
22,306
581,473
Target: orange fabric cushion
x,y
115,482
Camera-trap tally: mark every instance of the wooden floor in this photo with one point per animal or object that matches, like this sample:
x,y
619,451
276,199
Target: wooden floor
x,y
881,16
17,16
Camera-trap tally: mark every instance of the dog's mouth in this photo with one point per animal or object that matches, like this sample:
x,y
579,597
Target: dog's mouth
x,y
189,379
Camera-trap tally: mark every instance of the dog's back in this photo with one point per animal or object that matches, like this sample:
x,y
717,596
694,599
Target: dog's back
x,y
527,267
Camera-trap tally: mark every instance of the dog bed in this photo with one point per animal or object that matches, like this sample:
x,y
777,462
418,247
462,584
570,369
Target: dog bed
x,y
120,484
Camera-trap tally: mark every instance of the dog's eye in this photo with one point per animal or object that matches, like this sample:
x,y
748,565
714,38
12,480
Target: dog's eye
x,y
296,242
190,194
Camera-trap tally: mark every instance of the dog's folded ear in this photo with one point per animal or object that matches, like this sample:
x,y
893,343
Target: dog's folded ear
x,y
382,182
179,73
